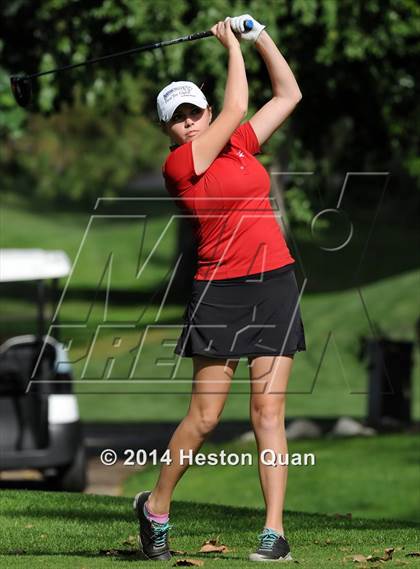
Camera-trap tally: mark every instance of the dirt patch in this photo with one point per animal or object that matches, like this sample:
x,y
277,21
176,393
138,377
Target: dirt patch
x,y
108,480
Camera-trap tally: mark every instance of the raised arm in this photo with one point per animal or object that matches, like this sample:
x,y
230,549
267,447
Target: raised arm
x,y
286,92
207,146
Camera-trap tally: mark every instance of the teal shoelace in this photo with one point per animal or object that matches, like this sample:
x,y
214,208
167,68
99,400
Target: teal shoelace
x,y
267,537
159,532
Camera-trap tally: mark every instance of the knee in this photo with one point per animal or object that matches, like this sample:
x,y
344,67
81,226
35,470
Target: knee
x,y
204,422
267,418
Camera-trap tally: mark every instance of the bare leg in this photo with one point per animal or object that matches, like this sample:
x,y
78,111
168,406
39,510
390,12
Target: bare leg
x,y
211,384
269,377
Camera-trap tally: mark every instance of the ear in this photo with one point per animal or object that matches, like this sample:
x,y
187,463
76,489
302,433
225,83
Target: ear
x,y
210,109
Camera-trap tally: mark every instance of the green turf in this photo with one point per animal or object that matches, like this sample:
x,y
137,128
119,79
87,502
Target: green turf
x,y
94,235
327,379
43,529
369,477
163,382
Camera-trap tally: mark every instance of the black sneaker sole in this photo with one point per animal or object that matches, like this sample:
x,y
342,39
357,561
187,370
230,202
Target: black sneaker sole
x,y
259,557
138,510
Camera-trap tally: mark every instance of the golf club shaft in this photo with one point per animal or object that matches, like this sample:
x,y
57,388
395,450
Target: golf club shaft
x,y
21,84
196,36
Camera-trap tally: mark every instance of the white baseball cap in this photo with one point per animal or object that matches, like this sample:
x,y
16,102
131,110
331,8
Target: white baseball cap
x,y
175,94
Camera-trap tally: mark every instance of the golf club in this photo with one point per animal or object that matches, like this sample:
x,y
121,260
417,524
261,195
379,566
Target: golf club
x,y
22,87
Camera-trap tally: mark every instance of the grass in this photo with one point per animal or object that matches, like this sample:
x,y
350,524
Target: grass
x,y
373,478
50,530
328,379
128,239
163,381
338,387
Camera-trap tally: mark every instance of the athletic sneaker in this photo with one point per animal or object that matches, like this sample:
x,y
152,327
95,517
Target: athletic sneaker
x,y
153,536
273,547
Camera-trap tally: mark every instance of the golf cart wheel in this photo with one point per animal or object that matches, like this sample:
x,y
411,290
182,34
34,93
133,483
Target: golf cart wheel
x,y
71,477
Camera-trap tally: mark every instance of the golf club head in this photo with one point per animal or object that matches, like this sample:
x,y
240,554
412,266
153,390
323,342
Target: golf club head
x,y
21,89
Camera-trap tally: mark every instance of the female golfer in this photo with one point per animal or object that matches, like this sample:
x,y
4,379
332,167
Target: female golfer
x,y
245,299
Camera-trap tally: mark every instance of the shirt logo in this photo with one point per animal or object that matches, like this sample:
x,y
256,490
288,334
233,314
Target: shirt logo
x,y
240,154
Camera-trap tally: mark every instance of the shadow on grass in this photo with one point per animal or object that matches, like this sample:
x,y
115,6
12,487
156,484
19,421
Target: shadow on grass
x,y
234,518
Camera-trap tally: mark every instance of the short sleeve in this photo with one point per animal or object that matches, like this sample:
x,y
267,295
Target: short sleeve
x,y
178,170
244,137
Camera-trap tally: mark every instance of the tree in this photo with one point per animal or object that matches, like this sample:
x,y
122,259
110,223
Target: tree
x,y
355,64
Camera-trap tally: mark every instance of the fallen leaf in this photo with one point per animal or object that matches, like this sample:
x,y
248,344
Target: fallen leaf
x,y
29,526
189,563
373,558
209,548
175,552
131,540
413,554
358,558
388,554
212,546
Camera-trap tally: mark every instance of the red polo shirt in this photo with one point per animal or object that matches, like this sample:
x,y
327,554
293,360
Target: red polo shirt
x,y
235,226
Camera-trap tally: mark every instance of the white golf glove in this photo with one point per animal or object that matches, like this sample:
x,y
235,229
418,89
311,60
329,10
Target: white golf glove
x,y
238,26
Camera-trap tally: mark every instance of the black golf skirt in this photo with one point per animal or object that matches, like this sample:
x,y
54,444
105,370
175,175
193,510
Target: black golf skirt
x,y
252,315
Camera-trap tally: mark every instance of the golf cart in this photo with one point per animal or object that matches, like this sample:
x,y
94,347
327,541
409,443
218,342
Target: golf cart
x,y
40,427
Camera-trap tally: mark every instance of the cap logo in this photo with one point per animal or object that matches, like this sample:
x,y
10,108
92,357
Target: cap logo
x,y
183,91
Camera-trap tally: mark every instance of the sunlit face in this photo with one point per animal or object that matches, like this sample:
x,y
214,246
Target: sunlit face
x,y
187,122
